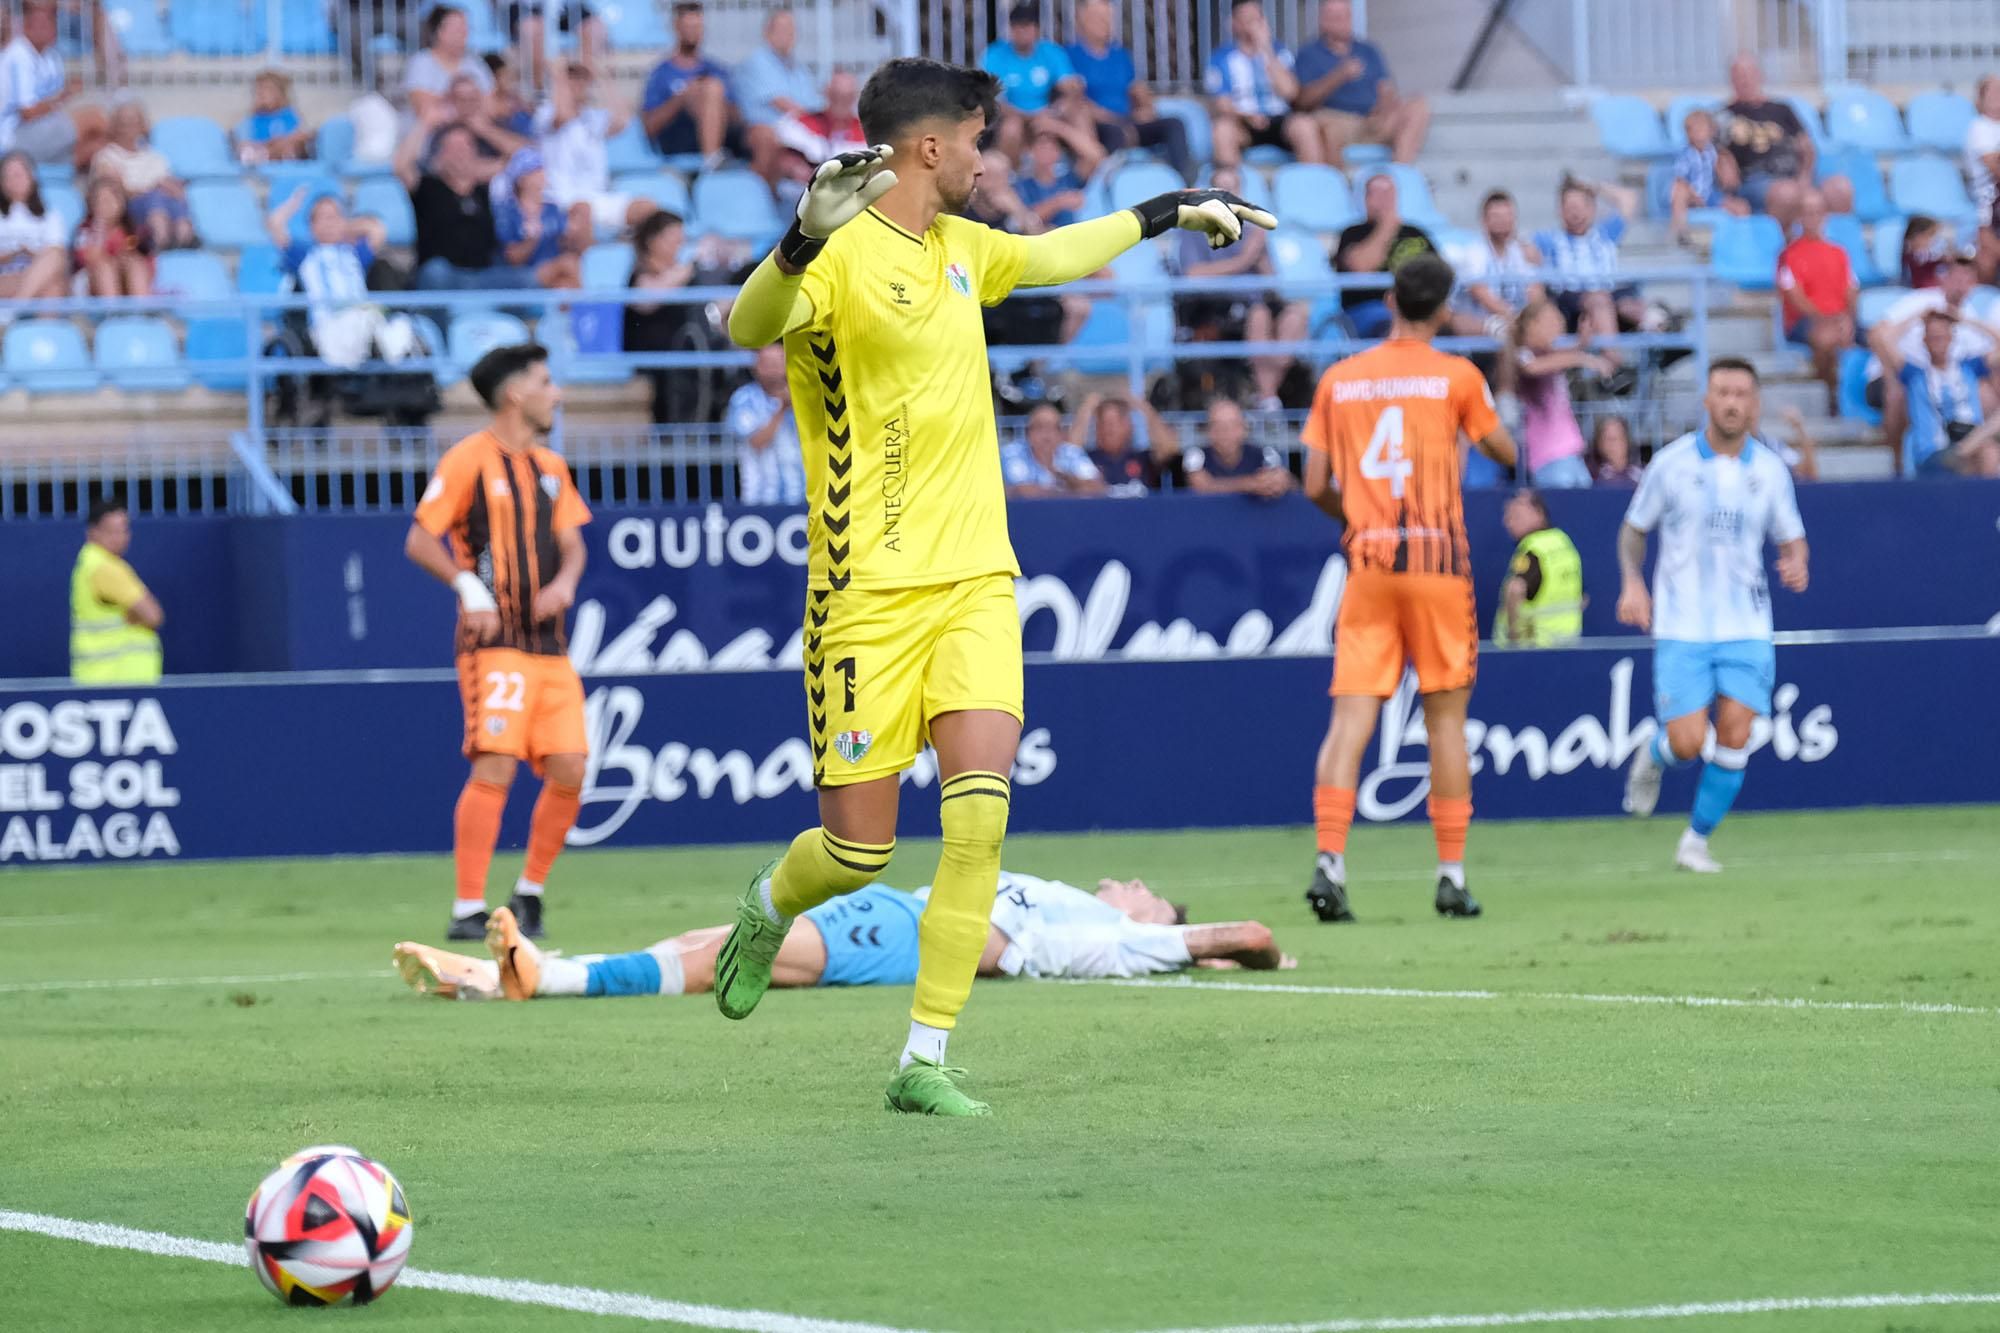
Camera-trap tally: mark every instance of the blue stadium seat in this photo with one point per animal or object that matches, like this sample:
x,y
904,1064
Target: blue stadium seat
x,y
139,352
304,29
1811,117
1660,190
1885,249
1863,118
1141,266
260,270
629,150
1314,197
483,32
386,199
633,25
1844,230
1107,326
1853,387
1939,121
334,143
196,148
1933,186
662,187
1871,195
477,332
607,267
1875,303
226,215
1266,155
733,202
1677,114
140,31
1630,127
557,332
63,199
1193,113
1413,195
1746,252
281,178
194,274
1357,155
218,340
47,356
1136,182
218,27
1298,256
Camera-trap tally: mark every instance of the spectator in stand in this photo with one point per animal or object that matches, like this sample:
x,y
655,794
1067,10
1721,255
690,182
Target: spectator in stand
x,y
34,254
473,109
1231,317
1041,463
271,132
428,75
112,248
575,145
1928,246
1982,169
1952,428
658,265
1116,105
1344,84
1131,455
1802,454
1769,157
1378,245
531,227
1697,175
1611,453
1585,251
806,141
1820,295
775,85
1493,278
505,106
688,106
457,246
527,29
39,111
158,200
1052,186
1251,85
1035,75
769,466
1957,279
1551,440
331,269
1225,464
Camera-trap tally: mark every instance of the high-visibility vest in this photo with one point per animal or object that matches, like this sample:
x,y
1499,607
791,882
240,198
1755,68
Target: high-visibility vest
x,y
104,647
1554,615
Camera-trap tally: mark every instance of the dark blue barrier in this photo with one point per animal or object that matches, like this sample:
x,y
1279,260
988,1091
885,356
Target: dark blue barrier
x,y
198,770
681,589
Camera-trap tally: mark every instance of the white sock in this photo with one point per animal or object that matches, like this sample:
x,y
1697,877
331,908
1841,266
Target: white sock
x,y
771,908
462,908
925,1041
527,890
1339,866
673,977
1689,838
1453,871
563,976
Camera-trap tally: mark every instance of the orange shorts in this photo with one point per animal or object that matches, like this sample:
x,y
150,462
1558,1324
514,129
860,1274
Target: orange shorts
x,y
528,705
1386,620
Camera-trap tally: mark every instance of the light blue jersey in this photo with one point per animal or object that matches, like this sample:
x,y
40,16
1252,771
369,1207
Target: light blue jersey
x,y
871,937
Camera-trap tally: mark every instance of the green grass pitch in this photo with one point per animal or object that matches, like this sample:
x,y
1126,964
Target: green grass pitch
x,y
1158,1159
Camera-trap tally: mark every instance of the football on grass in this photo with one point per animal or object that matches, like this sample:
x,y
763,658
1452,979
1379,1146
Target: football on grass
x,y
327,1226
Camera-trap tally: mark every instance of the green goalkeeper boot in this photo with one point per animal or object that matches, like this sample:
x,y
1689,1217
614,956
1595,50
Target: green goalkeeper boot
x,y
743,967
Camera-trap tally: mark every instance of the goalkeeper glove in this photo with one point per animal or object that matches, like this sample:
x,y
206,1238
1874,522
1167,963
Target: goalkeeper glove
x,y
1217,214
840,191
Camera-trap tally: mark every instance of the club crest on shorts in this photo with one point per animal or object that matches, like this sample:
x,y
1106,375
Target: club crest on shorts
x,y
495,725
960,280
853,745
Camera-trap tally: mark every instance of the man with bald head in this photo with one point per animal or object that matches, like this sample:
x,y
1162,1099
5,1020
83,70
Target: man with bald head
x,y
1817,286
1767,156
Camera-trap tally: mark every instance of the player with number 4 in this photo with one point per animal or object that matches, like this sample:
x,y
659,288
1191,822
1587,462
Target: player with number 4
x,y
509,510
1383,456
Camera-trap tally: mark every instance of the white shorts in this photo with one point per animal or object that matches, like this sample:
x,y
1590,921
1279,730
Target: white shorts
x,y
607,210
1092,951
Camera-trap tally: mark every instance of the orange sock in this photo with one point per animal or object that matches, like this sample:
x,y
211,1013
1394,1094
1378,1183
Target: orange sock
x,y
555,812
1333,815
475,829
1449,820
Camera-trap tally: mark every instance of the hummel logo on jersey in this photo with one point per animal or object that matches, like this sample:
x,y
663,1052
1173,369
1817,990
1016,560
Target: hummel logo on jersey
x,y
853,745
901,292
961,281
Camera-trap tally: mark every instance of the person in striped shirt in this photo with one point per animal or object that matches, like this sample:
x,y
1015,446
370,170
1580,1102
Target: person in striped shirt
x,y
1585,250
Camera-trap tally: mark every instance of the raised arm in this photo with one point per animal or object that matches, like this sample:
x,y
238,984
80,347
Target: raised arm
x,y
1885,340
278,222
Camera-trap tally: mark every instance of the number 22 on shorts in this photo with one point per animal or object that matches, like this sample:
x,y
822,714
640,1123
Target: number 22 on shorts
x,y
509,690
1384,459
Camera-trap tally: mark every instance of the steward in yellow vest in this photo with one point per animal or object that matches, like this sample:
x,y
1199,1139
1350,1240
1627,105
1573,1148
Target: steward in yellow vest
x,y
1541,603
113,620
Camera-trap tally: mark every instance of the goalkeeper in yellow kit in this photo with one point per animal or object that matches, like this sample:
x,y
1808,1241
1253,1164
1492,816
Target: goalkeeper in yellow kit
x,y
911,633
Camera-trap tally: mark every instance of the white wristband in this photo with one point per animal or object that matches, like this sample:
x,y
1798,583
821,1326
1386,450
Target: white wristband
x,y
472,594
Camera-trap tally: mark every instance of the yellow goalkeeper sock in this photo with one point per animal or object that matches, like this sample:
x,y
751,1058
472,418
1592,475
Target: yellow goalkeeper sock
x,y
952,933
819,866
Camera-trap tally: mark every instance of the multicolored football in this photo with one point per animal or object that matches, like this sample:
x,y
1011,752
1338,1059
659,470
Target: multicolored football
x,y
327,1226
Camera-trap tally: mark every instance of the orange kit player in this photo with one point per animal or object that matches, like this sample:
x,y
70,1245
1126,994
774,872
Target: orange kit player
x,y
510,512
1383,455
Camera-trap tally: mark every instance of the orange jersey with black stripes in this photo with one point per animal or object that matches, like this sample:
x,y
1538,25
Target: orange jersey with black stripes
x,y
501,511
1388,421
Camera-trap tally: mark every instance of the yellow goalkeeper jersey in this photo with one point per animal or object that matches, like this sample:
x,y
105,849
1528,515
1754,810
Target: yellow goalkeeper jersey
x,y
887,361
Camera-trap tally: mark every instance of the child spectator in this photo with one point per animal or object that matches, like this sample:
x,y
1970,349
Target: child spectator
x,y
111,247
34,262
531,227
575,132
271,132
1611,461
505,106
1927,245
1052,186
1551,439
331,269
1695,183
158,200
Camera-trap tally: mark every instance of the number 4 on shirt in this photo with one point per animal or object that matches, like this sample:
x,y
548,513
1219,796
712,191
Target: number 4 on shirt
x,y
1384,459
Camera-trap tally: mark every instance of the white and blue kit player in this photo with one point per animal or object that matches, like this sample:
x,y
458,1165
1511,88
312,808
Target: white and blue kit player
x,y
1716,497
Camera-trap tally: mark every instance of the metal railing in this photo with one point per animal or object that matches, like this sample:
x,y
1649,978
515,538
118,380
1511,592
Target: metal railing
x,y
279,467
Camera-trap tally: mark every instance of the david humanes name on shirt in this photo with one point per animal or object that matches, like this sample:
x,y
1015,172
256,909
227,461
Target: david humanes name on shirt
x,y
1400,386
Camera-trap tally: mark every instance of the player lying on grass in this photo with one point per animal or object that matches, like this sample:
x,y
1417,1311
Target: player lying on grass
x,y
1040,928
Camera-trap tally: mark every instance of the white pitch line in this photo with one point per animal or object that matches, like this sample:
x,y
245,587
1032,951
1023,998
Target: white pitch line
x,y
1564,997
148,983
1604,869
584,1300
